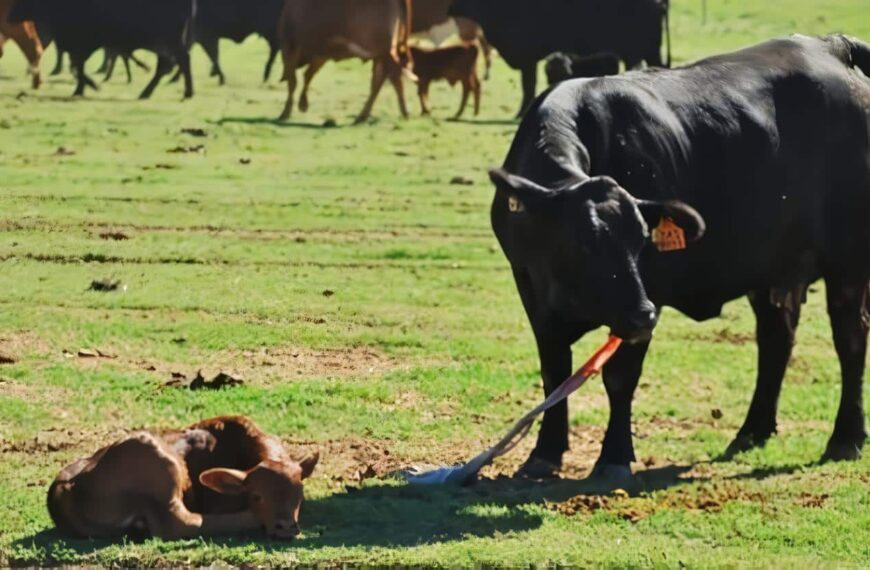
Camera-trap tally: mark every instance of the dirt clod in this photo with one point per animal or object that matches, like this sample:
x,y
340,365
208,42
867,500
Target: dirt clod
x,y
195,132
6,359
107,285
64,151
461,181
191,149
328,293
199,382
716,413
114,236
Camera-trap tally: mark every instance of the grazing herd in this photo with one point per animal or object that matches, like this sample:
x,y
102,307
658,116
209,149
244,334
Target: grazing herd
x,y
309,33
618,196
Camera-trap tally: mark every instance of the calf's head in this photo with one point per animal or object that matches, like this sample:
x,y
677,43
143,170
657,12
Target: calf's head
x,y
273,489
585,244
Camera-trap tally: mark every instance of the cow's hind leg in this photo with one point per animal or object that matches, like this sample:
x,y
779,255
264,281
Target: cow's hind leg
x,y
621,376
164,66
270,62
310,71
212,49
82,80
58,63
777,313
291,58
183,59
849,311
394,72
466,92
379,75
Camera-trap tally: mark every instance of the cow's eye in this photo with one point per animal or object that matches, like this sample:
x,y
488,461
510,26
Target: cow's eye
x,y
514,205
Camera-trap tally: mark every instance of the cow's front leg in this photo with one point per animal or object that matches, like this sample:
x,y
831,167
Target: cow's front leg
x,y
530,86
621,375
546,459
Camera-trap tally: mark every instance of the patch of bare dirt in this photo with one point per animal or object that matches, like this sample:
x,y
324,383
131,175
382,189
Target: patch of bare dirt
x,y
280,364
708,498
15,345
54,440
812,500
12,389
724,336
349,461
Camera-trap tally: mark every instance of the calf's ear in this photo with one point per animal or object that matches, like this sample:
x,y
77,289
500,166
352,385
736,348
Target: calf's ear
x,y
308,464
224,481
683,215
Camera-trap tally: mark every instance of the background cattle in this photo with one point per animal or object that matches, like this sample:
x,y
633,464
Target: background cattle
x,y
236,20
527,31
24,34
563,66
82,27
454,64
313,32
599,200
429,15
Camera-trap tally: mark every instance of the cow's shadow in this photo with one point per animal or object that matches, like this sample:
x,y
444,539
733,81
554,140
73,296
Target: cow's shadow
x,y
278,123
386,514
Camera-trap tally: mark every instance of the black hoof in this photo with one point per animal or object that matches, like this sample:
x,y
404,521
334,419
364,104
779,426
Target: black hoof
x,y
537,468
612,473
742,443
842,451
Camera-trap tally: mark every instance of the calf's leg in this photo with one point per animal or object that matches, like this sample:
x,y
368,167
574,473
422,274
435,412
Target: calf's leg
x,y
58,63
476,87
776,322
423,94
849,311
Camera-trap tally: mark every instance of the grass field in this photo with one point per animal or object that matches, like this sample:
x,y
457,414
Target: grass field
x,y
363,299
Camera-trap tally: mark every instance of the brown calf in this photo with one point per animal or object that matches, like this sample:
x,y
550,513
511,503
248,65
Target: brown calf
x,y
455,64
430,14
25,36
313,32
219,476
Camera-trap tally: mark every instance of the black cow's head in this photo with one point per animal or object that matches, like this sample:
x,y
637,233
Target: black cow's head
x,y
587,242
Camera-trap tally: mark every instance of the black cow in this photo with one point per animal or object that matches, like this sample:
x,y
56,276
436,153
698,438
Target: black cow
x,y
236,20
563,66
774,161
83,26
526,31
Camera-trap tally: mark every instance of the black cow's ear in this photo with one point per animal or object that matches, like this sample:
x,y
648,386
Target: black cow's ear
x,y
523,190
683,215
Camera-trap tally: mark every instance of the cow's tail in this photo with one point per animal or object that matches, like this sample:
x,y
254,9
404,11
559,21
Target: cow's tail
x,y
666,5
402,42
858,54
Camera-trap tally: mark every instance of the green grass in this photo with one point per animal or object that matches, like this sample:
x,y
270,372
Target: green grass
x,y
226,266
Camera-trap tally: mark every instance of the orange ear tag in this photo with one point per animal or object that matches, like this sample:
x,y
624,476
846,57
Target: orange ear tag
x,y
668,236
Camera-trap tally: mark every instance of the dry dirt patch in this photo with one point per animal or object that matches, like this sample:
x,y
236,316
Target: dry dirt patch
x,y
15,345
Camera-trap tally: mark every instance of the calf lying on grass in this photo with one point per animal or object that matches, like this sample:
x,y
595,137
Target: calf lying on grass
x,y
563,66
455,64
219,476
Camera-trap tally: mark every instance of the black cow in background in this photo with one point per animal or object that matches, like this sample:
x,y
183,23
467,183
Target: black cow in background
x,y
236,20
610,180
81,27
563,66
526,31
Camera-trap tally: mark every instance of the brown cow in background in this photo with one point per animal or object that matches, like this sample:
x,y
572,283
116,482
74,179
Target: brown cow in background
x,y
25,36
313,32
429,14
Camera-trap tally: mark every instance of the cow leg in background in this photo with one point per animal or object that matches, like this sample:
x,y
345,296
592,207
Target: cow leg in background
x,y
104,67
310,71
77,61
58,63
849,311
164,66
486,48
394,73
423,94
33,52
530,86
776,321
182,56
475,88
466,92
621,376
273,54
109,65
212,49
126,59
379,75
291,62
